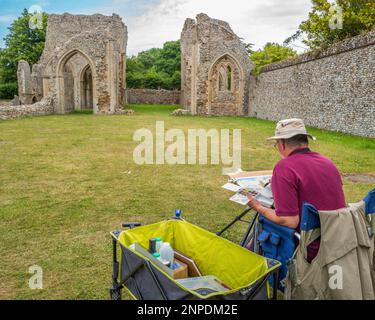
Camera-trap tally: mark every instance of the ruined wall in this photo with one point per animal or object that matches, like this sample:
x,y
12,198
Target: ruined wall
x,y
215,68
101,42
25,90
333,89
148,96
41,108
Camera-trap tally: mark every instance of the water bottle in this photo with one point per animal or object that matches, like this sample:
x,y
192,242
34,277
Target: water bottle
x,y
178,214
158,257
167,253
152,247
159,244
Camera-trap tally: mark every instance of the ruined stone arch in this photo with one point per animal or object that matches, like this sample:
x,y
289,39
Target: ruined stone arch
x,y
96,41
226,86
82,72
62,62
209,45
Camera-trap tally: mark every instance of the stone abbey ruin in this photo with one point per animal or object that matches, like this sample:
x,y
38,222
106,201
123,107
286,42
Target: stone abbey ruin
x,y
83,66
216,69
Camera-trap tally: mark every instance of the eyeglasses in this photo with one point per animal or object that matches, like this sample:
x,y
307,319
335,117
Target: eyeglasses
x,y
276,145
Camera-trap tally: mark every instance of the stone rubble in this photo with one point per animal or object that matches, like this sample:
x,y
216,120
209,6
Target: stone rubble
x,y
41,108
180,112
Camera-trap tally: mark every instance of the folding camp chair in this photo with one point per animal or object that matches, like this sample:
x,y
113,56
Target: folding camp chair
x,y
279,243
269,240
310,215
349,251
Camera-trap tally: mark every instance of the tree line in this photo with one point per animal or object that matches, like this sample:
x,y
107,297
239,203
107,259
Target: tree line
x,y
21,43
157,68
160,68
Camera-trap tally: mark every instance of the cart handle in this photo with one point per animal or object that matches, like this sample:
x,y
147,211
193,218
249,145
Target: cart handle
x,y
131,225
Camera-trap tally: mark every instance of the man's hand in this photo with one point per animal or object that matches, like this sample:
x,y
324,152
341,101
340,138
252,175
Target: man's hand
x,y
254,203
290,222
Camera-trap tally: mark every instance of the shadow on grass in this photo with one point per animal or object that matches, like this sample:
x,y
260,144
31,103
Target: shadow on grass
x,y
84,112
151,109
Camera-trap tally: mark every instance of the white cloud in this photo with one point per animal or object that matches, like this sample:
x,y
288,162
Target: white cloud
x,y
257,21
153,22
6,18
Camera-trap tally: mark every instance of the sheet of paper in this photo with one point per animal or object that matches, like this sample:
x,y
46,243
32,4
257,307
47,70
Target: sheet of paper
x,y
266,192
266,202
257,183
232,187
240,199
208,282
253,182
243,174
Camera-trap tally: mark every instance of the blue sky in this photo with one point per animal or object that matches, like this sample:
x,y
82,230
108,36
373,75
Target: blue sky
x,y
11,9
152,22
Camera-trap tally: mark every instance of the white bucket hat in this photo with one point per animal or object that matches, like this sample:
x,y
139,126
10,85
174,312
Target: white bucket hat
x,y
290,128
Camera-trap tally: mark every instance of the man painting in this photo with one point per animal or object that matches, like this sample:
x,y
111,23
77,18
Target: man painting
x,y
301,176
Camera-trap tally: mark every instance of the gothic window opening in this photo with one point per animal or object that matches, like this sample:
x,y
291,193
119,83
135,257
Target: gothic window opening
x,y
76,85
87,90
226,92
225,78
222,80
68,88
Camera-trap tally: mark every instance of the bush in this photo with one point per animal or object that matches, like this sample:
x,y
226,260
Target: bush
x,y
156,68
8,90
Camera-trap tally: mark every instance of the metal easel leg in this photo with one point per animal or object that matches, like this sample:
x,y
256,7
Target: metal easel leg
x,y
247,234
239,218
275,284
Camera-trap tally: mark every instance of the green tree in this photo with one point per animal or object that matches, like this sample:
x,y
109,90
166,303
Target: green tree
x,y
22,43
169,59
153,79
322,27
176,80
156,68
272,52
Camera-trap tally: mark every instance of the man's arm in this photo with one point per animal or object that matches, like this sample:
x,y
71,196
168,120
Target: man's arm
x,y
289,222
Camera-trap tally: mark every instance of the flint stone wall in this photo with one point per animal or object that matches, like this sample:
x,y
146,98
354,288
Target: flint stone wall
x,y
215,70
41,108
149,96
25,90
101,42
332,89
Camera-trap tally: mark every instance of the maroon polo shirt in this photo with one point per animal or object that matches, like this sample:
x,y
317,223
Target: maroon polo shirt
x,y
307,176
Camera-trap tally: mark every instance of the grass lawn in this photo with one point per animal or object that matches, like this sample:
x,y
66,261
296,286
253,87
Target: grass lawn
x,y
65,184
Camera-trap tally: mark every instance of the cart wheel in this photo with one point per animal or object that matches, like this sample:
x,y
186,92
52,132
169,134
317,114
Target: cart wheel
x,y
115,294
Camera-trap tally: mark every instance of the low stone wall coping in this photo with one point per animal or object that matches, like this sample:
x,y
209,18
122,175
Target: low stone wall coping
x,y
338,48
